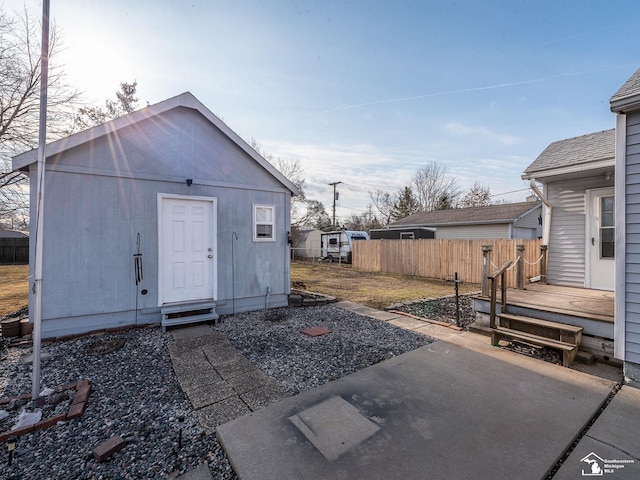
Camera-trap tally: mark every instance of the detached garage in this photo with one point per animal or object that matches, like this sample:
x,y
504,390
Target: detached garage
x,y
164,216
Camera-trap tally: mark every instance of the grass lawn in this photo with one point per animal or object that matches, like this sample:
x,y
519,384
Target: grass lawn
x,y
14,288
375,290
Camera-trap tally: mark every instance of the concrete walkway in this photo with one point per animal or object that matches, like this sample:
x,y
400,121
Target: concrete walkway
x,y
455,409
219,381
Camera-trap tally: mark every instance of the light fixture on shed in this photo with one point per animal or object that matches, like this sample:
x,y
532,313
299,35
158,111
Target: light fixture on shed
x,y
189,182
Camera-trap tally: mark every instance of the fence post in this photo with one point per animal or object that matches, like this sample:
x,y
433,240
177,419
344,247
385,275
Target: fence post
x,y
486,265
520,267
543,264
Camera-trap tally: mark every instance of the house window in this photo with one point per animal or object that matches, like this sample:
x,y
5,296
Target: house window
x,y
264,223
607,228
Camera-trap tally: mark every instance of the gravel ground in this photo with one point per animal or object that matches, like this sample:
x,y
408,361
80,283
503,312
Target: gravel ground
x,y
136,394
443,309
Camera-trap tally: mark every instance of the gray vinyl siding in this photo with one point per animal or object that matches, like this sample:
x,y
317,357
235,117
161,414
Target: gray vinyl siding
x,y
566,262
490,231
632,258
97,200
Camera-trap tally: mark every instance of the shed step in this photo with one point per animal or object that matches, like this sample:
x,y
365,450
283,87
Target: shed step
x,y
542,328
568,350
185,313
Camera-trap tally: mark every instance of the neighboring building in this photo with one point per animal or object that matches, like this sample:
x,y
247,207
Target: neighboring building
x,y
14,247
577,175
508,220
308,244
402,233
209,216
625,103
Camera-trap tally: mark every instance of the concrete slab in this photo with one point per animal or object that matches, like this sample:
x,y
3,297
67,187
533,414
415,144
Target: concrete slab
x,y
234,366
445,410
194,331
610,447
201,472
248,380
407,323
206,394
334,427
218,413
220,352
264,396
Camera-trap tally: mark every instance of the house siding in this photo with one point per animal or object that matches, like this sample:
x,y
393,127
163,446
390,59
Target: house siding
x,y
632,240
528,227
98,200
566,261
471,232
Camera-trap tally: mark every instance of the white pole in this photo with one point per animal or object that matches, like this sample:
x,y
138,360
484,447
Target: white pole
x,y
42,139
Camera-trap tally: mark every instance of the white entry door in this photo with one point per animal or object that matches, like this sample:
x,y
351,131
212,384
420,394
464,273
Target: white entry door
x,y
187,259
601,235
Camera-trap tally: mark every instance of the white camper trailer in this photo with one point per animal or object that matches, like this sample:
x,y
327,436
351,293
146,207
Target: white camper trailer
x,y
337,246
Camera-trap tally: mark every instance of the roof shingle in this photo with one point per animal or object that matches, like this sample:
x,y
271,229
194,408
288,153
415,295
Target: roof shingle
x,y
502,213
630,87
575,151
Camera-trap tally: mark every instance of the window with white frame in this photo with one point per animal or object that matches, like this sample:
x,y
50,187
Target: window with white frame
x,y
264,223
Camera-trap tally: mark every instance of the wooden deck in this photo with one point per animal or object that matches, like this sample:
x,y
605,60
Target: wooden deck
x,y
589,309
577,302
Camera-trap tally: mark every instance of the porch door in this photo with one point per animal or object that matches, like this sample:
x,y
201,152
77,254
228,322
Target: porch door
x,y
601,236
187,260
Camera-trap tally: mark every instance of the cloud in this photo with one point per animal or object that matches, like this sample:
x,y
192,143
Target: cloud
x,y
461,129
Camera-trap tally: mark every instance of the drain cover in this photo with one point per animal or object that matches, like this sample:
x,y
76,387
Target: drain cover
x,y
334,427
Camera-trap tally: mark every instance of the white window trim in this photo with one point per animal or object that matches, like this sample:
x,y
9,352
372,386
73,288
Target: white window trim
x,y
273,224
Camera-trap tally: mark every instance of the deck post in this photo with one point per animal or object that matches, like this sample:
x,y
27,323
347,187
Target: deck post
x,y
486,265
520,267
543,264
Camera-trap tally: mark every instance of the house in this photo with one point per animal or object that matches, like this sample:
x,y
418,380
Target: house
x,y
625,103
509,220
577,177
164,215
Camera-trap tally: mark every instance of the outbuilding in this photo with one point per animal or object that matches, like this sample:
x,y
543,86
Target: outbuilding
x,y
520,220
164,215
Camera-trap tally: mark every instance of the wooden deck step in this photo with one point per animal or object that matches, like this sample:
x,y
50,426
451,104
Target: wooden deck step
x,y
561,332
568,350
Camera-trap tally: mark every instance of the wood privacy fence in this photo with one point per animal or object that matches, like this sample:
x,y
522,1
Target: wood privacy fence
x,y
14,250
442,258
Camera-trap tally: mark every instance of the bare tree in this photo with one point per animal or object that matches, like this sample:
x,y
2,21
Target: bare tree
x,y
477,196
125,102
383,203
364,221
20,104
434,187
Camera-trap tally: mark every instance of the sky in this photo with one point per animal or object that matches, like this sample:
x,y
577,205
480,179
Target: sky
x,y
366,92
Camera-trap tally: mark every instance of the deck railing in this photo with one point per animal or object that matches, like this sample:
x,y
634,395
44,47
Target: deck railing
x,y
499,274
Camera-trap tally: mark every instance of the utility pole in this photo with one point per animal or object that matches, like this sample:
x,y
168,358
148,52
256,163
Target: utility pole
x,y
334,202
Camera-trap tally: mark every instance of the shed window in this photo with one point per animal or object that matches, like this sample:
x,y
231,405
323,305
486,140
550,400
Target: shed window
x,y
264,223
407,236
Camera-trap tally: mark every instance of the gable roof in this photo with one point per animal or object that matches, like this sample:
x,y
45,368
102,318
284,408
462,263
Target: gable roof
x,y
186,100
502,213
575,154
628,96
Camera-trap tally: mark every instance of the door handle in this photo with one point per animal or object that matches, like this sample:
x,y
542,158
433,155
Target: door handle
x,y
593,241
210,256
